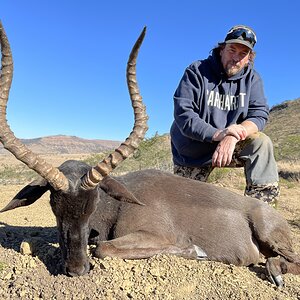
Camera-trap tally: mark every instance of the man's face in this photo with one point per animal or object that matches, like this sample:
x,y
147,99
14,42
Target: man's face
x,y
234,57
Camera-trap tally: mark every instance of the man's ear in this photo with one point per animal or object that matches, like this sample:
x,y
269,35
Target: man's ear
x,y
117,190
28,195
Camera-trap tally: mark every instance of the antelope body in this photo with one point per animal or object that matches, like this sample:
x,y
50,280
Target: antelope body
x,y
147,212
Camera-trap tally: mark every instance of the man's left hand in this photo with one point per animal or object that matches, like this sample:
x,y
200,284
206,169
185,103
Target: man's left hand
x,y
223,154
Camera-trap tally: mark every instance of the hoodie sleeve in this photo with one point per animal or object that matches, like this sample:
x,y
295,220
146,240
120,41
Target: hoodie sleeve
x,y
186,108
258,111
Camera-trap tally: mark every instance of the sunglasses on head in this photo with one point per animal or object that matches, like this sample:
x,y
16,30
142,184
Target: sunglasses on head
x,y
242,33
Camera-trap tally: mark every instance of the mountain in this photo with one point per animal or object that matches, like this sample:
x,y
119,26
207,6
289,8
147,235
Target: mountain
x,y
63,144
284,130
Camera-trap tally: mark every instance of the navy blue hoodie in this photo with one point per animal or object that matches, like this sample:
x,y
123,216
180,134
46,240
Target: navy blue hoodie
x,y
207,100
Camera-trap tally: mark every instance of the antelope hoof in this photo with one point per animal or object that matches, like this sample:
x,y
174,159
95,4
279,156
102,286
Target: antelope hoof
x,y
277,280
274,272
201,255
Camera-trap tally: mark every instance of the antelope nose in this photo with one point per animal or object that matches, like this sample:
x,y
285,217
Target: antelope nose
x,y
77,271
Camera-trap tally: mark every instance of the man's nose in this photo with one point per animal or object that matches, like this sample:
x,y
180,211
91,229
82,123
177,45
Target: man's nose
x,y
236,57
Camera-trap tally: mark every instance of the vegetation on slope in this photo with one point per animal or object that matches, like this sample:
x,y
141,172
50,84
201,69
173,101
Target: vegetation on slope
x,y
283,129
152,153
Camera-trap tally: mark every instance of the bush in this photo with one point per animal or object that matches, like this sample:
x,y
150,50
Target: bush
x,y
16,175
153,153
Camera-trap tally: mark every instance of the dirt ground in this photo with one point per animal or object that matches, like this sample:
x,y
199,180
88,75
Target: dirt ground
x,y
38,275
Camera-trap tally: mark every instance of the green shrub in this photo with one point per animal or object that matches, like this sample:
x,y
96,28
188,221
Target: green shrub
x,y
289,148
152,153
18,174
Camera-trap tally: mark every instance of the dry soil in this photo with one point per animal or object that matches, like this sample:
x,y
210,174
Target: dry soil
x,y
38,276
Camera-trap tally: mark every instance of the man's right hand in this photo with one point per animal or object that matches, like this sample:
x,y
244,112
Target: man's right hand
x,y
235,130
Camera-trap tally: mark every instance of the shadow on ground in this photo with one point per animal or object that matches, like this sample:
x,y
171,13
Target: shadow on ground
x,y
43,242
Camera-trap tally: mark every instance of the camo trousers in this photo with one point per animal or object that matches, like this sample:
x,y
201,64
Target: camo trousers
x,y
255,155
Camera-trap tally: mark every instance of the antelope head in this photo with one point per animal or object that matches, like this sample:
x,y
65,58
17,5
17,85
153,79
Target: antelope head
x,y
74,186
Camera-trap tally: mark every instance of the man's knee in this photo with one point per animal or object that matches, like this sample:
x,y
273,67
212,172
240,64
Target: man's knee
x,y
259,140
258,143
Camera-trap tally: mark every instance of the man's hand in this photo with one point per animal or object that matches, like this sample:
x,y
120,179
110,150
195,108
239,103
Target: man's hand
x,y
227,139
238,131
224,151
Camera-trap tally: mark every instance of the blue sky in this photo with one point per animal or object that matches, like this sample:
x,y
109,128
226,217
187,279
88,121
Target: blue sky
x,y
70,58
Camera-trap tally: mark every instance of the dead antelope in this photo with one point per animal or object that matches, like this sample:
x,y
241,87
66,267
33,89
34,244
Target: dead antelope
x,y
148,212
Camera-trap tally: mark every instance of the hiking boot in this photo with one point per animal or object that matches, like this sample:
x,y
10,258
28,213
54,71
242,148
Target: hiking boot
x,y
268,193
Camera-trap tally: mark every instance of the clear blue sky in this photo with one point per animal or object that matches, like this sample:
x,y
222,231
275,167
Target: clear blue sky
x,y
70,58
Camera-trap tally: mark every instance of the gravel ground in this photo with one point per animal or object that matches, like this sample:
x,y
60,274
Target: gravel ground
x,y
34,272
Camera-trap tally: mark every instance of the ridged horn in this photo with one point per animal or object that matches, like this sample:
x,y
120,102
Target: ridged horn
x,y
102,169
57,179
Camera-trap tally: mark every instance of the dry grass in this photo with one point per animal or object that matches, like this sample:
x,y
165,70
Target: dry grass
x,y
291,166
289,170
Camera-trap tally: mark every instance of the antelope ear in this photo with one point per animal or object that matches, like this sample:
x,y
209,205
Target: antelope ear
x,y
28,195
117,190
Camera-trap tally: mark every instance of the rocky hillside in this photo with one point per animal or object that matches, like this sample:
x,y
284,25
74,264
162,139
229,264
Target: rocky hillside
x,y
62,144
283,128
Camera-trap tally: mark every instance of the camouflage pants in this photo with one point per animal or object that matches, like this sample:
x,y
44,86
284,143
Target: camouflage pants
x,y
255,155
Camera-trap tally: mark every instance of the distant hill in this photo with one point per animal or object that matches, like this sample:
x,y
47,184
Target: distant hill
x,y
284,130
63,144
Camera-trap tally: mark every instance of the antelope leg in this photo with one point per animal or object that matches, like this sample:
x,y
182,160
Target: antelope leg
x,y
144,244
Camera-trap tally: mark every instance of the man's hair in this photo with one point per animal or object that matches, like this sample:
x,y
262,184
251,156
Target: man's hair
x,y
221,46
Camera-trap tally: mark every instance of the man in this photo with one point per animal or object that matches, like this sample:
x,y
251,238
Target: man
x,y
219,112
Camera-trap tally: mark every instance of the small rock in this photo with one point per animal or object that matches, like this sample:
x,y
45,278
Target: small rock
x,y
32,264
155,272
26,248
104,265
126,284
8,276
